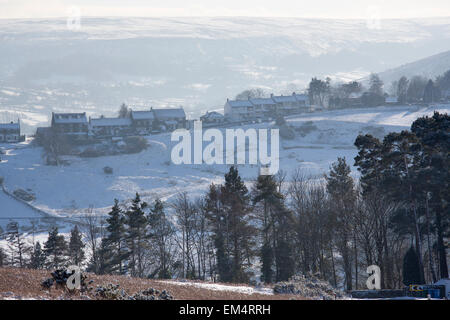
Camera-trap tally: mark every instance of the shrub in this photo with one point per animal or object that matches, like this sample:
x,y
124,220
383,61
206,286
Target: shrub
x,y
135,144
108,170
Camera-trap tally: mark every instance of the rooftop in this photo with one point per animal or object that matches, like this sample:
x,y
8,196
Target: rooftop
x,y
69,117
142,115
107,122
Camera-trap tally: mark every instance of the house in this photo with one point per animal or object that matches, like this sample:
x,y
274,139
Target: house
x,y
142,121
110,127
291,104
238,110
73,125
212,117
10,132
262,107
171,119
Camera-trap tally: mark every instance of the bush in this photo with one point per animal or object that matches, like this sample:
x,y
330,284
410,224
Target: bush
x,y
108,170
135,144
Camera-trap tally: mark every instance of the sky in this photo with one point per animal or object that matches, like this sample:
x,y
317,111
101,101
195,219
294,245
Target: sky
x,y
333,9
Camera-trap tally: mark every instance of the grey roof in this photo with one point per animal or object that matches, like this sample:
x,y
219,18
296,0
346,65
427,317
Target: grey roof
x,y
142,115
10,126
284,98
69,117
301,97
240,103
262,101
169,113
110,122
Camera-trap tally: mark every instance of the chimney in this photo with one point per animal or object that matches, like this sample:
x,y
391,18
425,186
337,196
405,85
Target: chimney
x,y
293,93
271,95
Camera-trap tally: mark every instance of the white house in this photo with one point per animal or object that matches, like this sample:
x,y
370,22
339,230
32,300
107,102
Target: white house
x,y
171,118
142,121
10,132
74,125
263,107
237,110
252,109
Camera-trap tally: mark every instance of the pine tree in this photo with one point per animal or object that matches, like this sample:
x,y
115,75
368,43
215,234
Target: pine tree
x,y
136,235
37,257
55,248
76,247
276,230
239,233
340,186
411,268
115,239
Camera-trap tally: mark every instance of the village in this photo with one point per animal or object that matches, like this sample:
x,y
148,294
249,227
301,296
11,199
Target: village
x,y
78,127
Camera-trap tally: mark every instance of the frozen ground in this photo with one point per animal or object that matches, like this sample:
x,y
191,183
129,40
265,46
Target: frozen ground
x,y
73,189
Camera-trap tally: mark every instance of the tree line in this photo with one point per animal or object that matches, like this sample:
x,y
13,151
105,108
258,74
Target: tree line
x,y
395,216
417,89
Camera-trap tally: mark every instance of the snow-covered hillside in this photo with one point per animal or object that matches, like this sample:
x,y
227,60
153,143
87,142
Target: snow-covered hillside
x,y
194,62
73,189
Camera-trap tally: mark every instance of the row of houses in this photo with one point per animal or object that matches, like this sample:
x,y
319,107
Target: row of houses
x,y
263,108
10,132
79,127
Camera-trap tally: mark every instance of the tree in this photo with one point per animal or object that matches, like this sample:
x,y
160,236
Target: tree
x,y
276,222
16,244
340,186
55,248
161,233
124,111
319,90
434,174
136,235
376,85
251,94
431,93
76,247
185,214
115,239
402,89
37,257
411,268
3,258
416,89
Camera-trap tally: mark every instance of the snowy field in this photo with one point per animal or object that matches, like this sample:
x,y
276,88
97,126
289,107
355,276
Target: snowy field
x,y
82,186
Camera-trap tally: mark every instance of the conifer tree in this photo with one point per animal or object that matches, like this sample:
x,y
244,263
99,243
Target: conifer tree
x,y
115,239
76,247
136,235
239,233
340,186
55,248
411,268
37,257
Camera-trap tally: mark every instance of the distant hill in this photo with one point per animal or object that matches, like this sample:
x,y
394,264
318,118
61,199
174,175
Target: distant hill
x,y
430,67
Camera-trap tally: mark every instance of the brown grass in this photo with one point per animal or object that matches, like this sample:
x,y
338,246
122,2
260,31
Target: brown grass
x,y
26,284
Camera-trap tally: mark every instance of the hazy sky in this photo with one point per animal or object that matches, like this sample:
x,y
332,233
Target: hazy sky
x,y
278,8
